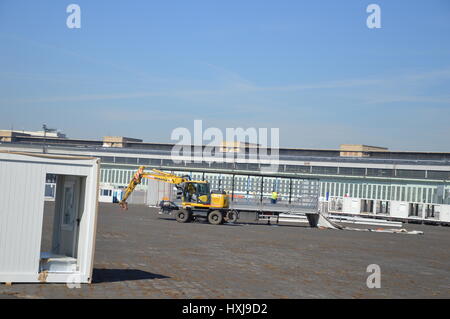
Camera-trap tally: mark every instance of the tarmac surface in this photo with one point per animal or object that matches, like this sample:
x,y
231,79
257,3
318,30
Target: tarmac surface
x,y
140,254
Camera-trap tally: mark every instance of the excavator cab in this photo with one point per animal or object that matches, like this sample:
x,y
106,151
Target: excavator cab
x,y
197,192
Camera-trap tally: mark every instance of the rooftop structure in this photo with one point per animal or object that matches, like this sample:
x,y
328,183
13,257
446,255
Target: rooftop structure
x,y
236,147
16,135
118,141
358,150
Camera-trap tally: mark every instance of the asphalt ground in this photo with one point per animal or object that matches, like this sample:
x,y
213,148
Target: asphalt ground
x,y
140,254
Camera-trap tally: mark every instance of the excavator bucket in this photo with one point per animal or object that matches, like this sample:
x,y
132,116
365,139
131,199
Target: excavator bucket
x,y
123,205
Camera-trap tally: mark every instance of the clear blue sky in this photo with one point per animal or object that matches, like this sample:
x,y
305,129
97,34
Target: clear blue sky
x,y
311,68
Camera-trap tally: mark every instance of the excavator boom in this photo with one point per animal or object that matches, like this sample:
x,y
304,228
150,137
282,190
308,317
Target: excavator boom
x,y
156,175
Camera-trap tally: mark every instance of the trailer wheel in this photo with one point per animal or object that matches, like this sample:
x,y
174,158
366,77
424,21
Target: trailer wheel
x,y
232,216
183,216
215,217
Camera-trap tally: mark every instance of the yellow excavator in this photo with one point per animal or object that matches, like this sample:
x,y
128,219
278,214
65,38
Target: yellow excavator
x,y
197,200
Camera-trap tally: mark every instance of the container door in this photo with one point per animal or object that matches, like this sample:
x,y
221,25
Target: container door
x,y
70,216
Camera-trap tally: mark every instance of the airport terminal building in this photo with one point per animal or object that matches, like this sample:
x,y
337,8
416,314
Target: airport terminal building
x,y
354,179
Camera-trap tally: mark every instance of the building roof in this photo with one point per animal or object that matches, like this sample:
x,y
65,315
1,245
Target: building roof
x,y
132,146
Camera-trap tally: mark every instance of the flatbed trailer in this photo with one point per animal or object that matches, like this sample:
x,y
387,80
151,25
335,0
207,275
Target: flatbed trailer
x,y
263,211
295,196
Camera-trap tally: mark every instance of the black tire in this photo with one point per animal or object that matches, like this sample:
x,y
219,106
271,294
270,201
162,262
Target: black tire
x,y
215,217
183,216
232,216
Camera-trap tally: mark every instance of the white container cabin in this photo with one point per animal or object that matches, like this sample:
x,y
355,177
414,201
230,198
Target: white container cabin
x,y
22,194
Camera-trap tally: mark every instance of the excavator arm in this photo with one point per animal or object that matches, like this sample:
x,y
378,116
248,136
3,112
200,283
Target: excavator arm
x,y
156,175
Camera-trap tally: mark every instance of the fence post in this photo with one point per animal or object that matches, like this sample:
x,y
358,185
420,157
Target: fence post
x,y
261,190
290,190
232,188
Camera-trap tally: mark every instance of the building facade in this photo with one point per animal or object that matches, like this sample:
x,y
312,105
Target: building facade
x,y
369,181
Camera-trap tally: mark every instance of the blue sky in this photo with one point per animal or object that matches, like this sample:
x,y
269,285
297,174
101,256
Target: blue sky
x,y
311,68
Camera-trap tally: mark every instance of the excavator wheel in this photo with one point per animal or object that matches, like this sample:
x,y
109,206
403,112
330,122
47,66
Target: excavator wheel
x,y
215,217
183,216
232,216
